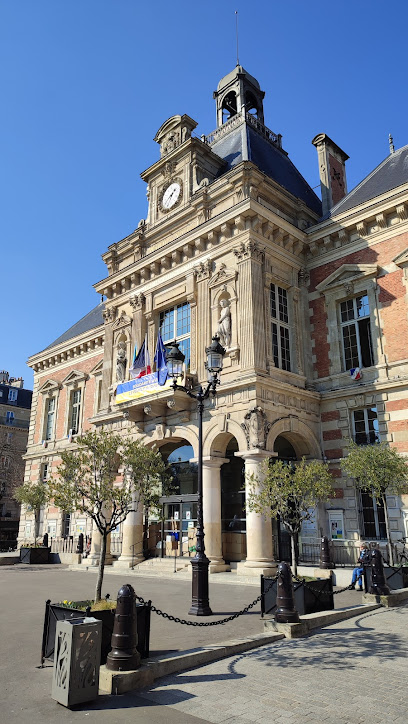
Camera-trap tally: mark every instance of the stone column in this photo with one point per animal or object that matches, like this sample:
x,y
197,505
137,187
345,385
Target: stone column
x,y
132,539
212,513
251,306
259,558
96,544
109,315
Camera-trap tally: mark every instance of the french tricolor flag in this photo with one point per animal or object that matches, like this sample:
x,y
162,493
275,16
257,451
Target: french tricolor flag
x,y
356,373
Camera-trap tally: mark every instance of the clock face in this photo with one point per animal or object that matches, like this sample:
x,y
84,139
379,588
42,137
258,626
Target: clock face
x,y
171,195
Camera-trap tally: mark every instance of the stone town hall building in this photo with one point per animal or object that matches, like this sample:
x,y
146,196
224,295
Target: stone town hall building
x,y
310,290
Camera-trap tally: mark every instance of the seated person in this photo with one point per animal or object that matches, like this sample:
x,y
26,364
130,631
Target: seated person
x,y
363,560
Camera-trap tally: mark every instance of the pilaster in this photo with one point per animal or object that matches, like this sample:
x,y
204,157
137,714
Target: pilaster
x,y
251,306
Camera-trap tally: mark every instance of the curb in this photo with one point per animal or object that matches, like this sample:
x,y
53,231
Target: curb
x,y
317,620
118,682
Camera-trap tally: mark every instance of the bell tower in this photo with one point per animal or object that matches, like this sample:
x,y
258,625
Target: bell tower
x,y
238,91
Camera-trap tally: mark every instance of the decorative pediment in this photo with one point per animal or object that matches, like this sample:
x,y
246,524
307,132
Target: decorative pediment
x,y
49,387
173,132
222,276
401,259
74,378
98,369
346,275
122,321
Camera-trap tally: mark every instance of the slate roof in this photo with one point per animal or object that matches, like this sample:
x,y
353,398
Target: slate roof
x,y
391,173
91,320
244,143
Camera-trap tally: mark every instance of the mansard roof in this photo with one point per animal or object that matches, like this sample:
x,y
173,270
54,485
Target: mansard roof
x,y
90,321
245,143
391,173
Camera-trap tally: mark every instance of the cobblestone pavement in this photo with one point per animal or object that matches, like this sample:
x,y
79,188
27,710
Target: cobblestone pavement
x,y
351,672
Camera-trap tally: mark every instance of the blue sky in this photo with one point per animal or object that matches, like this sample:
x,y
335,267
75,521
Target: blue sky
x,y
85,85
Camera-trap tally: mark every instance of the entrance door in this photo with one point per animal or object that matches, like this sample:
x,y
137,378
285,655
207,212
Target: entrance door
x,y
179,523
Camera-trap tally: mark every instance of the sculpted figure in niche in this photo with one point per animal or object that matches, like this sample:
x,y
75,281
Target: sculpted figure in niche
x,y
121,362
224,324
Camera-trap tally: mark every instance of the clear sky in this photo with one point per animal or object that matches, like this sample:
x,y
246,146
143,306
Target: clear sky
x,y
85,84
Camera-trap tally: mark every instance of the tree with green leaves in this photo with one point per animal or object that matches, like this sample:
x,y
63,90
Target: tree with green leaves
x,y
380,471
34,496
291,493
88,481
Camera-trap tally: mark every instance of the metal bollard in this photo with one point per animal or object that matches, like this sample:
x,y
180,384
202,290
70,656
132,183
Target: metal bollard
x,y
80,545
285,603
325,561
378,584
45,540
124,655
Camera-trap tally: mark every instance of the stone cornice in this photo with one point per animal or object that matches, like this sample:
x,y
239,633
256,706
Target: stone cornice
x,y
368,225
85,345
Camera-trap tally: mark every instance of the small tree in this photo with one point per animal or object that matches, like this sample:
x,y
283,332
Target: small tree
x,y
380,471
33,496
290,492
11,463
87,482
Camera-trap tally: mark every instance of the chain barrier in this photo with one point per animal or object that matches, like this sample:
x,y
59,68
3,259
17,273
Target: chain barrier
x,y
318,590
176,619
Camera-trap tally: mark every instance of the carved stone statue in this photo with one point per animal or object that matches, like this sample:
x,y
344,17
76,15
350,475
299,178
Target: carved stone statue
x,y
256,428
224,324
121,362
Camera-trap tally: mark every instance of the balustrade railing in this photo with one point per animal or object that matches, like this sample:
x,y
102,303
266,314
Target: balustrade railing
x,y
236,121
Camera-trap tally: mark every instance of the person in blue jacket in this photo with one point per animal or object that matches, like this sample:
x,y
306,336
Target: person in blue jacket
x,y
363,560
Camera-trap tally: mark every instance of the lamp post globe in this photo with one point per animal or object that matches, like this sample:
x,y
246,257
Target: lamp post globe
x,y
175,360
215,354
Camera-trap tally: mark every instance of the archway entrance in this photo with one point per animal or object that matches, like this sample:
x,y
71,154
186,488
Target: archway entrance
x,y
179,508
233,514
281,537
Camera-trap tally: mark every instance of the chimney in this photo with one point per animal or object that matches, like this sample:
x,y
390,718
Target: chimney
x,y
332,168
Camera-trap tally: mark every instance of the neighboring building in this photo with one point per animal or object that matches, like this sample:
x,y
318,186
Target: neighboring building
x,y
15,404
236,242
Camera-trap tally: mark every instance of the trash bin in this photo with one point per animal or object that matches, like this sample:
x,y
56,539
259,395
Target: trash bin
x,y
77,661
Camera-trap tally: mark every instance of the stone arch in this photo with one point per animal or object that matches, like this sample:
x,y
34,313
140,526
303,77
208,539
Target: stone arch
x,y
176,434
301,437
216,440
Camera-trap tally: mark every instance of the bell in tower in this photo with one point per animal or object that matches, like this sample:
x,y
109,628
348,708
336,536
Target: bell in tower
x,y
238,92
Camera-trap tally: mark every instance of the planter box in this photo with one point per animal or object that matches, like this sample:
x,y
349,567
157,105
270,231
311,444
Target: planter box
x,y
34,555
306,599
395,577
55,612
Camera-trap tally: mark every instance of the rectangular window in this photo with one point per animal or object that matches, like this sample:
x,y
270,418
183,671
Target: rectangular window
x,y
280,327
9,417
49,418
75,411
44,472
372,517
175,324
356,332
365,424
12,394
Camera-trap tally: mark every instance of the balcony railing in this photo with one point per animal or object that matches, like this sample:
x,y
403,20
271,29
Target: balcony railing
x,y
236,121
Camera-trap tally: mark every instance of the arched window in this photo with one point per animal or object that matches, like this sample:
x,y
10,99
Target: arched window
x,y
183,472
229,106
251,105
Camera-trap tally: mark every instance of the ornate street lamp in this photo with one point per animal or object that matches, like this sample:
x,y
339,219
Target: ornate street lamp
x,y
200,605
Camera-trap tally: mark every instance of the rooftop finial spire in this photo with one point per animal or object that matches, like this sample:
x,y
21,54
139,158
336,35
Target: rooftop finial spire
x,y
236,33
391,142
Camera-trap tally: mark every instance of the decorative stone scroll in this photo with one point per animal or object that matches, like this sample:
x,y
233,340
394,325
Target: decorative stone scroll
x,y
256,428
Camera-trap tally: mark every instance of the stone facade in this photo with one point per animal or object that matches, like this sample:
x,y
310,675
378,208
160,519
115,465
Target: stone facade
x,y
229,240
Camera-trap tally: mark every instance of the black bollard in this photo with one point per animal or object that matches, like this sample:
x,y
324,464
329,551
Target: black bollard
x,y
80,546
325,561
285,602
378,584
45,540
124,655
